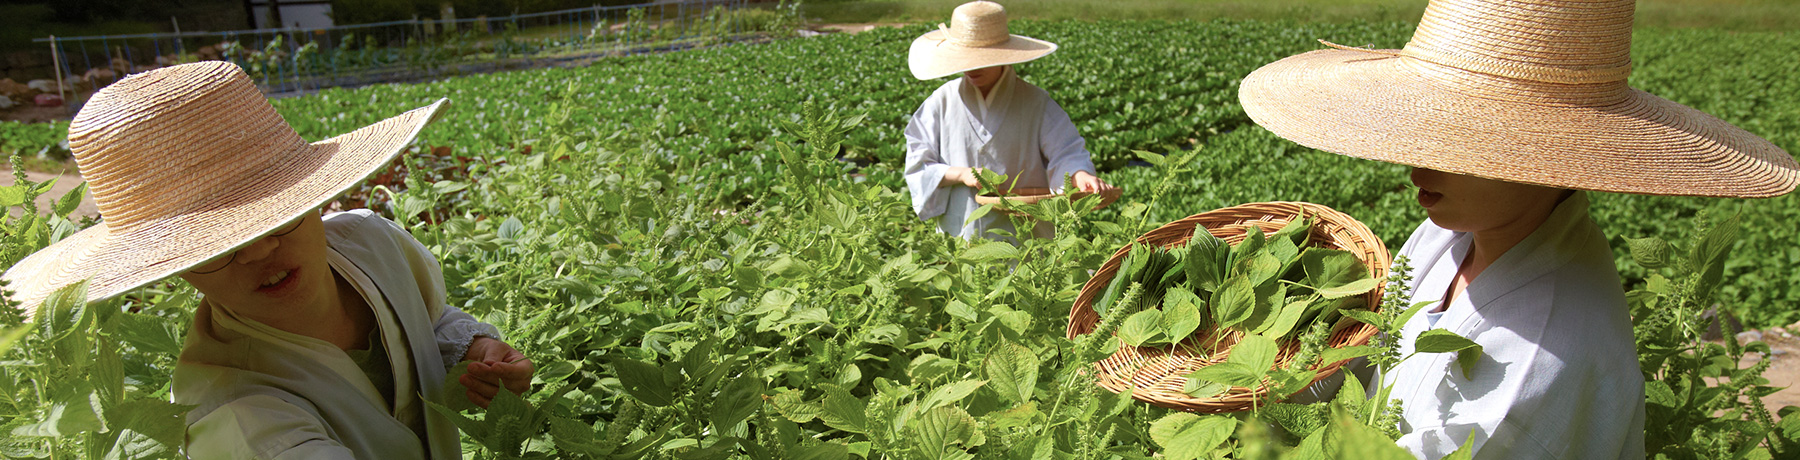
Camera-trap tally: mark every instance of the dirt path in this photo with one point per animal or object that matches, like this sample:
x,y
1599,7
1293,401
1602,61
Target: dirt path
x,y
64,183
855,28
34,114
1784,370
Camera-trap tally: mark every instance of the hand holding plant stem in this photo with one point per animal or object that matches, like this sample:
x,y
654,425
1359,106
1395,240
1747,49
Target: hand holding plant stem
x,y
495,363
958,175
1087,182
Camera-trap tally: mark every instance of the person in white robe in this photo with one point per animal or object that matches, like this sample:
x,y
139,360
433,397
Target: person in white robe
x,y
317,337
1558,376
989,119
1509,113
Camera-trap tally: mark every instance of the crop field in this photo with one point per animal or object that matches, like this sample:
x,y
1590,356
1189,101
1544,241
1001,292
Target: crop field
x,y
709,254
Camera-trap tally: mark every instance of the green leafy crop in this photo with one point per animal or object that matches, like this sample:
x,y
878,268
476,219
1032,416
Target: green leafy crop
x,y
1273,286
635,228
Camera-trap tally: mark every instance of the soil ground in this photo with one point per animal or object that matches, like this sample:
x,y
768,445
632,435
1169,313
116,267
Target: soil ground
x,y
1784,371
33,114
857,27
64,183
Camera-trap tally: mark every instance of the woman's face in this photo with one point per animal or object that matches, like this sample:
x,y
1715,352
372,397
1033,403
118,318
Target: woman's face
x,y
985,77
1472,204
275,274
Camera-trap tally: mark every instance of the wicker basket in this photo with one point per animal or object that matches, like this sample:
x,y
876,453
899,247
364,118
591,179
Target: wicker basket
x,y
1157,375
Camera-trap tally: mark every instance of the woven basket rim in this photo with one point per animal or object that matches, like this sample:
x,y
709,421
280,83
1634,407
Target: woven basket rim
x,y
1155,371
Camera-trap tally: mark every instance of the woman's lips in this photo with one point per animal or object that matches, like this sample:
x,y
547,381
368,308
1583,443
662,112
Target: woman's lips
x,y
288,279
1427,198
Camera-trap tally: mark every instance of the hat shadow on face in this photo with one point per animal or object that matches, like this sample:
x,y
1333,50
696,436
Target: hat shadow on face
x,y
200,167
250,206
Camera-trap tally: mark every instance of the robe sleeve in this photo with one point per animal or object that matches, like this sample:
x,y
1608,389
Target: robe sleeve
x,y
262,427
456,330
1065,152
925,166
1564,398
453,328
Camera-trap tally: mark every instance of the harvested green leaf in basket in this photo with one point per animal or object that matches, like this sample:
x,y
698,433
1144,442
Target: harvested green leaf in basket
x,y
1222,292
1273,286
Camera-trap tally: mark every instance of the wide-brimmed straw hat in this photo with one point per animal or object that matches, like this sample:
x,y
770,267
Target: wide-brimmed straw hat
x,y
976,37
190,162
1529,91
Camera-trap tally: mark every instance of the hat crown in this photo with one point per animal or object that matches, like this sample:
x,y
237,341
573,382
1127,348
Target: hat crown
x,y
1543,41
977,24
162,143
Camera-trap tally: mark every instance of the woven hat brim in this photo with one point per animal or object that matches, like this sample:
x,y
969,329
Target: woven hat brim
x,y
932,57
116,262
1381,108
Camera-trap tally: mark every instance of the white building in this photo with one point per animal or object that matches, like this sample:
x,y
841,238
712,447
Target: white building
x,y
298,14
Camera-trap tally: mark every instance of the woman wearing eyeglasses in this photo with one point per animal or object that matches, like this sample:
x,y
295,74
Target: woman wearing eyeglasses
x,y
318,336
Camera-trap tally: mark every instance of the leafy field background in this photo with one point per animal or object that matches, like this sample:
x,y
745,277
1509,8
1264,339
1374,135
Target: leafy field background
x,y
634,229
1129,85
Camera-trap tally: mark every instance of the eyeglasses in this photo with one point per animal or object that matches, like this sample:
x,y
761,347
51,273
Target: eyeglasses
x,y
224,260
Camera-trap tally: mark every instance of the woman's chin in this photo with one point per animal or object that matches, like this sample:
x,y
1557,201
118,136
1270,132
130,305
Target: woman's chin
x,y
1443,218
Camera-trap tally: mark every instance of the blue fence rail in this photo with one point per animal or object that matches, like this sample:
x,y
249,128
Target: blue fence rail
x,y
287,60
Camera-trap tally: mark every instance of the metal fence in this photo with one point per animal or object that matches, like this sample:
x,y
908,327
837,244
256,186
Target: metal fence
x,y
288,60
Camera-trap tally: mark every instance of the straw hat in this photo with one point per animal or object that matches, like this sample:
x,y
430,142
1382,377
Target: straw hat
x,y
190,162
976,38
1529,91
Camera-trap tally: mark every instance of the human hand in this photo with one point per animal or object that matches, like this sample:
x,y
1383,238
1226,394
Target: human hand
x,y
494,363
1087,182
958,174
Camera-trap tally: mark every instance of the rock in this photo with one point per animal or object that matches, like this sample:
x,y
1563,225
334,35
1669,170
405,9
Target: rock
x,y
1778,352
17,92
48,100
98,75
6,103
42,85
209,53
1749,336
